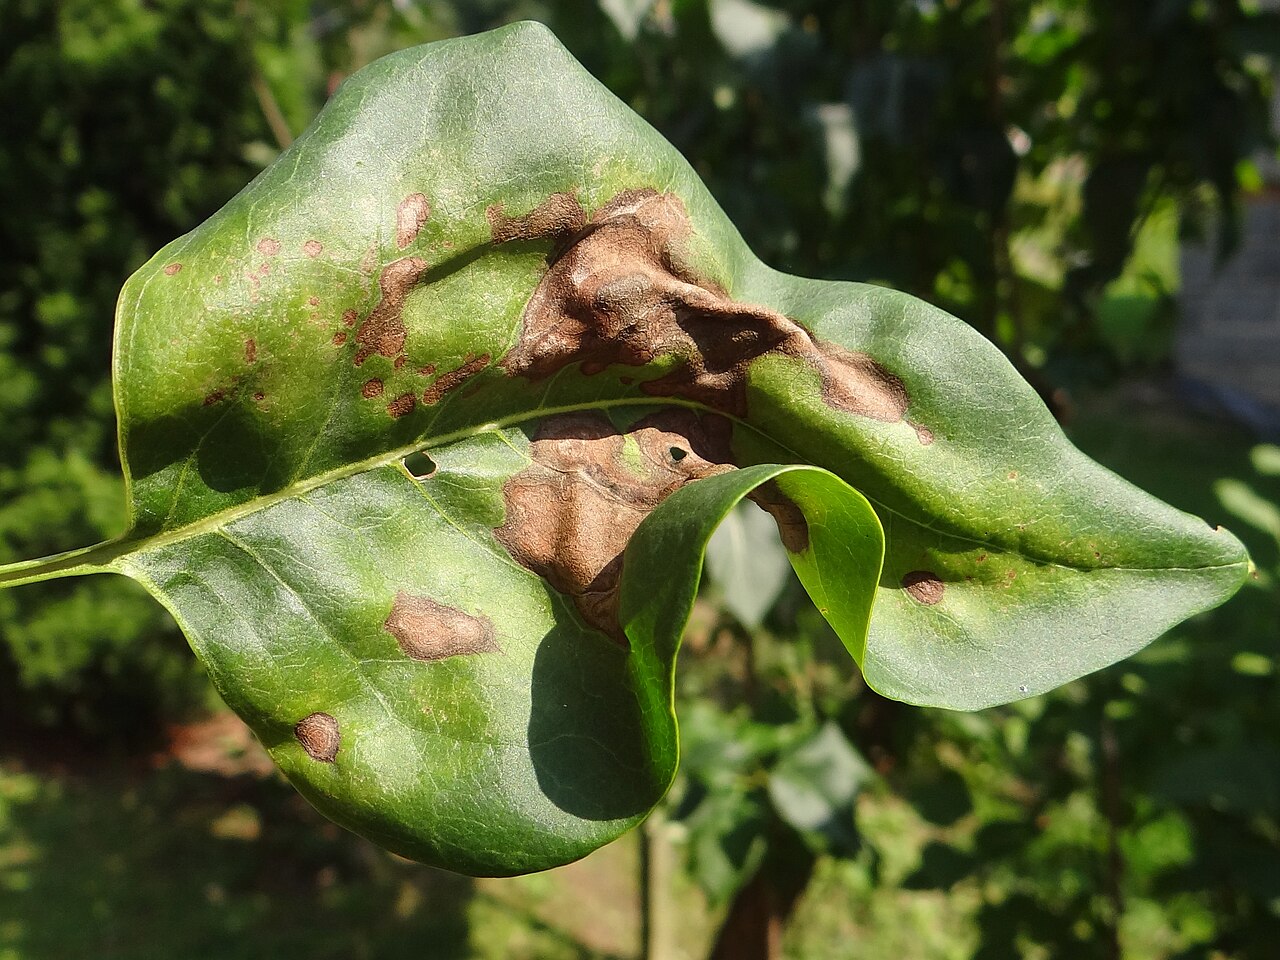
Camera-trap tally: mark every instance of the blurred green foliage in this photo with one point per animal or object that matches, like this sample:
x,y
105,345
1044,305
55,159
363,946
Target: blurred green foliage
x,y
1030,165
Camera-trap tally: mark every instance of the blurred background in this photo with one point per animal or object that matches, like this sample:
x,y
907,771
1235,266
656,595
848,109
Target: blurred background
x,y
1091,183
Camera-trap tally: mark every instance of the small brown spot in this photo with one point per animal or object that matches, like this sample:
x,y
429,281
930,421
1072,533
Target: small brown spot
x,y
453,379
313,248
1013,474
251,351
349,318
339,338
313,301
268,246
399,362
427,370
982,558
318,734
264,268
558,215
924,587
401,406
383,331
214,396
923,434
371,389
217,280
171,269
259,396
427,630
410,216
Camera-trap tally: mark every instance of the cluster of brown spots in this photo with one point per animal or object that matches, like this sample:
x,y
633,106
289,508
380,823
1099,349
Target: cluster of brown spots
x,y
251,351
214,396
557,216
371,389
268,246
570,514
171,269
313,248
453,379
383,331
427,630
923,587
615,293
401,406
410,217
318,734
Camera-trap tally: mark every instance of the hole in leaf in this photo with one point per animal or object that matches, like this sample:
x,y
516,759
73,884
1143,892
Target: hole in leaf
x,y
677,454
419,465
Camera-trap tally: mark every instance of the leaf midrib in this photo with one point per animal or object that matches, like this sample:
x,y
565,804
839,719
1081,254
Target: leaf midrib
x,y
103,557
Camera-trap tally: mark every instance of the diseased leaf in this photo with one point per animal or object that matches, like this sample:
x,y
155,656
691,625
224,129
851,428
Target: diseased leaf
x,y
477,255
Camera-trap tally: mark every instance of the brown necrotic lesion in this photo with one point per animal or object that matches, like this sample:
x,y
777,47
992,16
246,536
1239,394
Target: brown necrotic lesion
x,y
319,736
572,511
429,630
411,217
616,292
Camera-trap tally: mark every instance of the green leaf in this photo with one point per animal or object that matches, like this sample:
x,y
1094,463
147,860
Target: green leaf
x,y
479,256
748,564
814,785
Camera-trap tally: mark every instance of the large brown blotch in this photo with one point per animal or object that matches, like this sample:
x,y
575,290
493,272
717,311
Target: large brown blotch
x,y
427,630
383,331
617,293
570,514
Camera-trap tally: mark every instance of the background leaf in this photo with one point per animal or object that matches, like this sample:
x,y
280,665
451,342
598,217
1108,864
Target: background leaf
x,y
748,564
